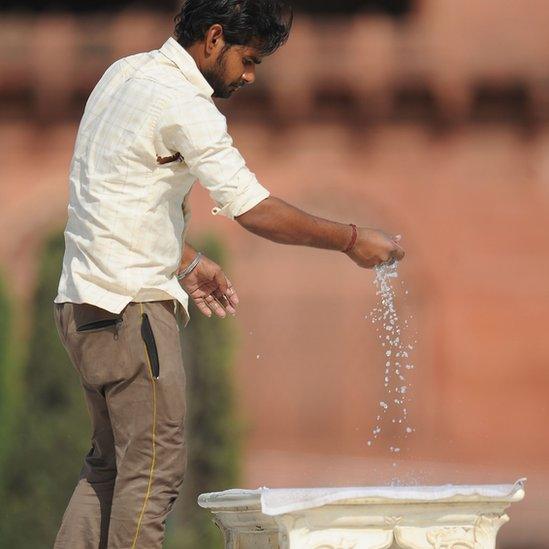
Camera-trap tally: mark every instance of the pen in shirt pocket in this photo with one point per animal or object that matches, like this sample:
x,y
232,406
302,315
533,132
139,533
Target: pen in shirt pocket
x,y
167,159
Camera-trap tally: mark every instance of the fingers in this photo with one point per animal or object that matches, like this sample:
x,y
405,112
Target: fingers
x,y
217,296
396,253
208,304
216,302
399,253
221,281
376,247
215,306
225,292
202,307
224,301
231,294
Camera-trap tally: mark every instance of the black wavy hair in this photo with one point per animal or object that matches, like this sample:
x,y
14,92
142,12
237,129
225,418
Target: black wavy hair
x,y
262,23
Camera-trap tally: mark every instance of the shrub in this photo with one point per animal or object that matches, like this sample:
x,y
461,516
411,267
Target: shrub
x,y
51,433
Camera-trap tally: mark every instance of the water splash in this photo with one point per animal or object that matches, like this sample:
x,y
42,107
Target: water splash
x,y
393,335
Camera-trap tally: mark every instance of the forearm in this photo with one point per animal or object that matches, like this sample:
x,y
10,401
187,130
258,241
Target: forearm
x,y
281,222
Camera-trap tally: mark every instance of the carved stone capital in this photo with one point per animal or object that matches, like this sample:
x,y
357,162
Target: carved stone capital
x,y
382,521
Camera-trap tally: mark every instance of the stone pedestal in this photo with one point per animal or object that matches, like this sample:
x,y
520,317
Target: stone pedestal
x,y
429,517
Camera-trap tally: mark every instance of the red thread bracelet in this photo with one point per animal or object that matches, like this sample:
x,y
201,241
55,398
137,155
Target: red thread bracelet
x,y
353,238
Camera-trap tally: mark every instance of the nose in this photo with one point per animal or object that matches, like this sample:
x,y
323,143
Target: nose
x,y
249,77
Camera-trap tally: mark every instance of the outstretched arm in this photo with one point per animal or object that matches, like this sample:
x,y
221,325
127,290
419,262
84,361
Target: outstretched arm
x,y
281,222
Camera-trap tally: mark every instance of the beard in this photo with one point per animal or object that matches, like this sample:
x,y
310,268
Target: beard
x,y
216,77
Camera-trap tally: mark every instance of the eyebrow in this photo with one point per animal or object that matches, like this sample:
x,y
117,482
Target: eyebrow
x,y
255,59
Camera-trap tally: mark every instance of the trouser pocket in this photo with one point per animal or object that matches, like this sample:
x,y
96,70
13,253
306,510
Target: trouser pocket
x,y
89,317
150,344
96,324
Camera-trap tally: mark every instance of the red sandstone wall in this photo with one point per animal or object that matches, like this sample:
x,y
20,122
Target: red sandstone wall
x,y
472,207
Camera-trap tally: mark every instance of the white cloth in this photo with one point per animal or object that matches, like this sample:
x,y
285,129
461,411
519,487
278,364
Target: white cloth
x,y
127,212
278,501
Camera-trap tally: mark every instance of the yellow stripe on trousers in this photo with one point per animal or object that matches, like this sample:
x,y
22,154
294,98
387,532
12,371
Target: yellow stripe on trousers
x,y
151,472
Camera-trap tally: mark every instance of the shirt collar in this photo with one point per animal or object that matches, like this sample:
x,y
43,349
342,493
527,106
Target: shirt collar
x,y
174,51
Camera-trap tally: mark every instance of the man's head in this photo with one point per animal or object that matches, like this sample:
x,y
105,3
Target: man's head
x,y
227,38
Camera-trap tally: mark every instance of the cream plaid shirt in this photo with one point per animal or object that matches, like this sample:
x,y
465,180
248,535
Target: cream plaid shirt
x,y
150,129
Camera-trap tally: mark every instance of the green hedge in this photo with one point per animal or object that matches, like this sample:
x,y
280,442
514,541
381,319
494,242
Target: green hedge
x,y
9,379
52,432
42,452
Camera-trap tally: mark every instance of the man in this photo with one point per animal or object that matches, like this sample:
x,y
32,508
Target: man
x,y
150,129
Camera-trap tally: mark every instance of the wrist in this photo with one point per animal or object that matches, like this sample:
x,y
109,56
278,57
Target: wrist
x,y
187,255
185,269
352,238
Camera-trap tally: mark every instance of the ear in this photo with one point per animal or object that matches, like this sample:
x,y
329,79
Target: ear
x,y
214,38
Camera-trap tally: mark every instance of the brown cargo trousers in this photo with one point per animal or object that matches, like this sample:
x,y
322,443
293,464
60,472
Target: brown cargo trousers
x,y
131,370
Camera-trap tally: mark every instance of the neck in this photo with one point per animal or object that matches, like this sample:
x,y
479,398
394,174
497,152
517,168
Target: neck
x,y
195,51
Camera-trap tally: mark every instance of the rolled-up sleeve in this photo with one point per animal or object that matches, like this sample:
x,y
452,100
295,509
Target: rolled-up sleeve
x,y
192,125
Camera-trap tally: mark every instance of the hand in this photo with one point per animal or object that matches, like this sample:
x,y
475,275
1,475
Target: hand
x,y
373,247
210,289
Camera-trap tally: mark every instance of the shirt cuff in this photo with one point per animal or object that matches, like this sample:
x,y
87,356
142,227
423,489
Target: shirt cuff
x,y
242,202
